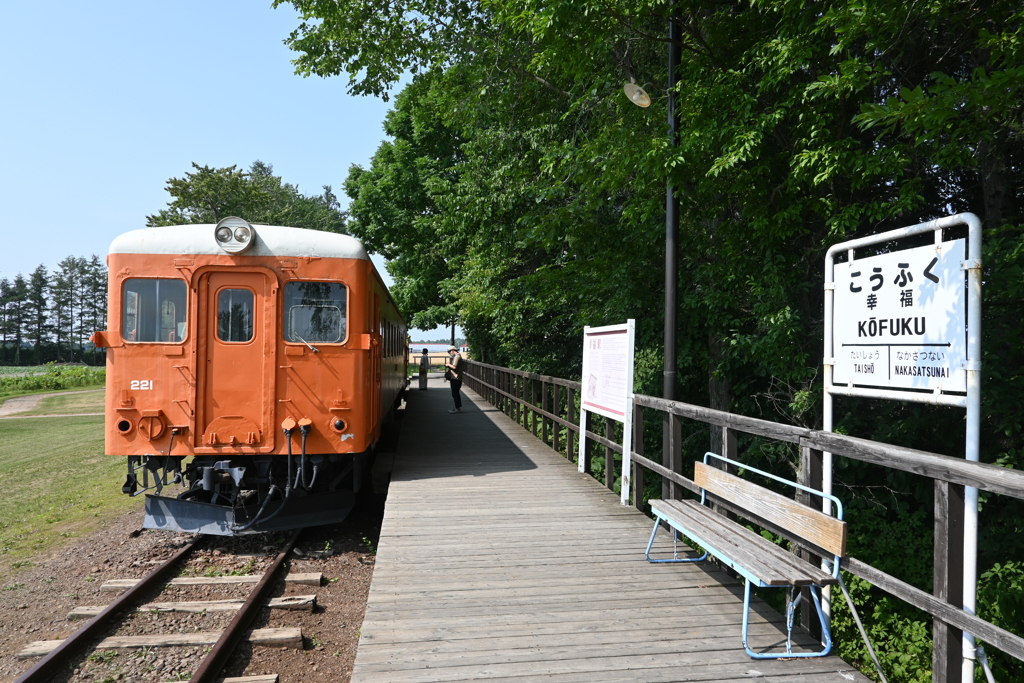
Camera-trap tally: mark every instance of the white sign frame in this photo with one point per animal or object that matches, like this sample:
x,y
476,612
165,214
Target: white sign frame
x,y
971,400
607,387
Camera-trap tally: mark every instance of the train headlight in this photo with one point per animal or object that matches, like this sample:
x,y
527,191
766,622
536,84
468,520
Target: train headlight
x,y
234,235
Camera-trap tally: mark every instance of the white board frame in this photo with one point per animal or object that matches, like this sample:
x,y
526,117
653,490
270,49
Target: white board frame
x,y
592,365
971,400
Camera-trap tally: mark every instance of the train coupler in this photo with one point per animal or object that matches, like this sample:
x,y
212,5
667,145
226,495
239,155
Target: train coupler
x,y
164,468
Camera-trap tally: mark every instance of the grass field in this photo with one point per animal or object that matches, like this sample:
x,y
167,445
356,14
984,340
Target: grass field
x,y
74,402
57,483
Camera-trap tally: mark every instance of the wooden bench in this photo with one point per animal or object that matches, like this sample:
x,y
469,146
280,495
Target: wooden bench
x,y
758,560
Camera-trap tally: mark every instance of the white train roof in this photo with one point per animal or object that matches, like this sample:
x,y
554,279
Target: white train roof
x,y
271,240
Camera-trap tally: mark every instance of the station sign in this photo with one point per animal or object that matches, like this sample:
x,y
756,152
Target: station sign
x,y
900,319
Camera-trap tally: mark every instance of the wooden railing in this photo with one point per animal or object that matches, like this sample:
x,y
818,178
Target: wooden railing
x,y
545,405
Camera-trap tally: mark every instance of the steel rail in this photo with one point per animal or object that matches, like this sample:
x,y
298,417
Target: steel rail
x,y
50,665
210,668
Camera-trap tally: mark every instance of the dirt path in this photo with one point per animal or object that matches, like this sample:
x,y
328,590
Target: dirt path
x,y
22,404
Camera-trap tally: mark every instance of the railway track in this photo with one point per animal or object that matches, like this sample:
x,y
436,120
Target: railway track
x,y
56,654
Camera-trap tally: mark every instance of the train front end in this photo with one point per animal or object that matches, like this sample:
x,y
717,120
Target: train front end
x,y
243,364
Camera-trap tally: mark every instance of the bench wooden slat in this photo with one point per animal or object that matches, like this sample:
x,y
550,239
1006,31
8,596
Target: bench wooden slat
x,y
756,554
784,567
823,530
702,527
773,565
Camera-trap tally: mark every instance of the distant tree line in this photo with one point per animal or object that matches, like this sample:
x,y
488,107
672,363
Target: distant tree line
x,y
49,315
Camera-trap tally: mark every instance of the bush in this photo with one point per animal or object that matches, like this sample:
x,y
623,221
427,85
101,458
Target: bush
x,y
55,378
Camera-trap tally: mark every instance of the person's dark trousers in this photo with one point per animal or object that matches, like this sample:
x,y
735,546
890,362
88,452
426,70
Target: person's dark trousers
x,y
456,385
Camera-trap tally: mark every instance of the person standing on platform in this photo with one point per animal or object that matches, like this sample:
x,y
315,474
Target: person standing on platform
x,y
456,365
424,368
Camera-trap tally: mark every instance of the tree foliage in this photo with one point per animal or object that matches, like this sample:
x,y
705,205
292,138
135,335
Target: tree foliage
x,y
209,194
523,193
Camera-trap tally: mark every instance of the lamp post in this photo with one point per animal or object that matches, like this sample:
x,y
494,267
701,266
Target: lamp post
x,y
640,98
671,219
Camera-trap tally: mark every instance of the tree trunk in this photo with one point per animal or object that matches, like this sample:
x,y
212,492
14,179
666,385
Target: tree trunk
x,y
996,188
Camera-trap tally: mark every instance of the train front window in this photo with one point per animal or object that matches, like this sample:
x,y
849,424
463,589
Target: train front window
x,y
154,310
315,312
234,315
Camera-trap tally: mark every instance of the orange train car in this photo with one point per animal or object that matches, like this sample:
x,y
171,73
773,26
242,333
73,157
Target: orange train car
x,y
271,356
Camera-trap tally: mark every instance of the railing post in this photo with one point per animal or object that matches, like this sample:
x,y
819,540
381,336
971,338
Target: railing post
x,y
519,402
533,405
609,455
947,651
811,476
671,455
726,446
570,412
638,447
729,445
556,438
502,387
588,444
544,407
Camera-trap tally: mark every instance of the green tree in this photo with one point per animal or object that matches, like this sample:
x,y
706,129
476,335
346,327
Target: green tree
x,y
210,194
18,313
92,303
527,194
62,311
395,214
37,319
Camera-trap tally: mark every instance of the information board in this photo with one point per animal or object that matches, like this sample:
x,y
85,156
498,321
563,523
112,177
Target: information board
x,y
607,389
900,319
607,370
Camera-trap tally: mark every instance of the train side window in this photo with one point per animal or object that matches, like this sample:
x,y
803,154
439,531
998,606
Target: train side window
x,y
235,315
315,312
154,310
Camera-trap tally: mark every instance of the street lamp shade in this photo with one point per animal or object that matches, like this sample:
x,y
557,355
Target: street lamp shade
x,y
637,95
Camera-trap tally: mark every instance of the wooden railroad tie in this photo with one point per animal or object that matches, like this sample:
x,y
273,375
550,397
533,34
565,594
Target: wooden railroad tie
x,y
297,602
310,579
270,637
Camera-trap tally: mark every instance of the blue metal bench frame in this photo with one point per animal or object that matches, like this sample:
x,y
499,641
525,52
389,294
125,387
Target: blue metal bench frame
x,y
750,578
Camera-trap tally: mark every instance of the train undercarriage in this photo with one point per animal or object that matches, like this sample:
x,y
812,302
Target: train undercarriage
x,y
231,495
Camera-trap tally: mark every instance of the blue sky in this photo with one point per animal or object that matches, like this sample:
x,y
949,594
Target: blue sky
x,y
103,102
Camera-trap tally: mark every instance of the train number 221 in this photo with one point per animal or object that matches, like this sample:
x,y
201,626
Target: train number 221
x,y
142,384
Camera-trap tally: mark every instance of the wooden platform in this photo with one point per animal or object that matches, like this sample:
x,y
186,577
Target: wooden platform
x,y
498,561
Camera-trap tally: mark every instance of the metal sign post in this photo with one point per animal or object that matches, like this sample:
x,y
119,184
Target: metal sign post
x,y
903,326
607,387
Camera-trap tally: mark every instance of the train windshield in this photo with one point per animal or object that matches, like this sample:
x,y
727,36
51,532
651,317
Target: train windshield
x,y
314,312
154,310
